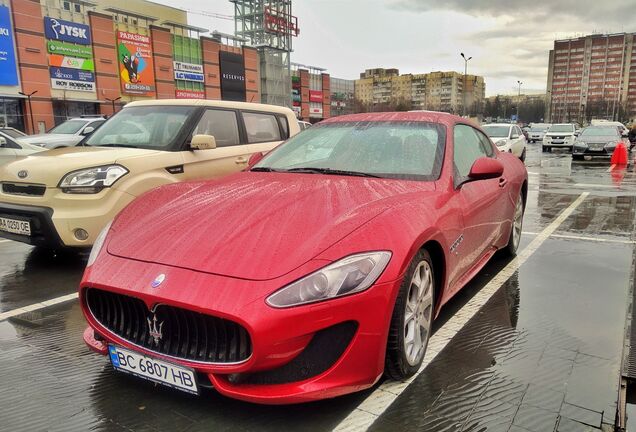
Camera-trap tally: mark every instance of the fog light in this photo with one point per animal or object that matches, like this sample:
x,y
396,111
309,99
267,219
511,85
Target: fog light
x,y
80,234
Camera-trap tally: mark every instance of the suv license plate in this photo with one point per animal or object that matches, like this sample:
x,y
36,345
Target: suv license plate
x,y
152,369
14,226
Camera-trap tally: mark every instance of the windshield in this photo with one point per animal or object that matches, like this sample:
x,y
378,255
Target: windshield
x,y
69,127
404,150
151,127
12,133
537,129
565,128
607,131
497,131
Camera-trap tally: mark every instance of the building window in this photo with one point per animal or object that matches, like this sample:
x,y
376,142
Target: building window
x,y
67,6
78,8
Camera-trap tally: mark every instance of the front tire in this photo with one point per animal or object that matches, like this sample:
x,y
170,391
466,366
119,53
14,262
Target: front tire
x,y
517,226
412,319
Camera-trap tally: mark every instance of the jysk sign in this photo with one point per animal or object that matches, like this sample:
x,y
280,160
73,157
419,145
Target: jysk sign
x,y
67,31
232,76
8,73
72,79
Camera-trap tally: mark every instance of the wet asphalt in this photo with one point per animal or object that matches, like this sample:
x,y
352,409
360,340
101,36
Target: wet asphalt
x,y
542,354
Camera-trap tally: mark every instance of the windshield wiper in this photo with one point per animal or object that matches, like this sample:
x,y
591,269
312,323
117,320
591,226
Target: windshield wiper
x,y
265,169
329,171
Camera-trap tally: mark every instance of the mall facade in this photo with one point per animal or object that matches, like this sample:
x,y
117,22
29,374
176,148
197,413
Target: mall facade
x,y
66,58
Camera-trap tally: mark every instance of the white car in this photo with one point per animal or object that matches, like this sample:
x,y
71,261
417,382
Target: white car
x,y
507,138
11,149
303,125
66,134
537,132
559,135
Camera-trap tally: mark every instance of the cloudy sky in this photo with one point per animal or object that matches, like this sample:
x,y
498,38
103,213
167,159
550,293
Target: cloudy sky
x,y
509,40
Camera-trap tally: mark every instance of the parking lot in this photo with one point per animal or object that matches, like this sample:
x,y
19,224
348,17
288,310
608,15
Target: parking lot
x,y
532,344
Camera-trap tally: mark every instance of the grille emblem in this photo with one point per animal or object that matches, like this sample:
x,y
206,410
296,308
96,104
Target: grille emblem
x,y
23,174
158,280
155,332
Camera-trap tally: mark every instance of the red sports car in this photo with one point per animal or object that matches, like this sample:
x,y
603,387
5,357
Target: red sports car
x,y
314,272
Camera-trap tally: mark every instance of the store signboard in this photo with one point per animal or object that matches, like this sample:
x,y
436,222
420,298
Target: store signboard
x,y
188,76
72,79
67,49
67,31
8,72
71,62
315,96
189,94
135,60
232,76
188,67
315,111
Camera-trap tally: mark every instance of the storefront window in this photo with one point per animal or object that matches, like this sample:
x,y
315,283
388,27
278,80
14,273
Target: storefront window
x,y
64,110
11,113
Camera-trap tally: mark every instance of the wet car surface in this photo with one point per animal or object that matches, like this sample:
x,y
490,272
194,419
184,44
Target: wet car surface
x,y
532,344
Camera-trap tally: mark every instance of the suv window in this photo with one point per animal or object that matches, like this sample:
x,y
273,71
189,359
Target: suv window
x,y
221,124
284,126
261,127
9,143
467,148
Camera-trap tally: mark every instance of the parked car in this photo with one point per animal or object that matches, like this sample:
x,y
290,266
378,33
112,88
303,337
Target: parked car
x,y
10,149
507,138
304,278
64,197
597,142
537,132
303,125
559,135
622,128
66,134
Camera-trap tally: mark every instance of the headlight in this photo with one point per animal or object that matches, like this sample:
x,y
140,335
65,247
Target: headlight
x,y
350,275
99,243
92,180
611,144
40,144
501,143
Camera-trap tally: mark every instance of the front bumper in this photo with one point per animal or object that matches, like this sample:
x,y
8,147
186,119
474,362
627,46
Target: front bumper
x,y
299,354
55,216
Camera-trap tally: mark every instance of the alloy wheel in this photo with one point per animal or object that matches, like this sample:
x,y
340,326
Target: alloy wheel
x,y
418,315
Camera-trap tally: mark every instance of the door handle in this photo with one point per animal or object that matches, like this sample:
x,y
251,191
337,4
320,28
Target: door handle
x,y
240,160
502,182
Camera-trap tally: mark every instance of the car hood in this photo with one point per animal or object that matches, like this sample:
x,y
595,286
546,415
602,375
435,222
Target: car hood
x,y
48,167
255,226
67,139
598,139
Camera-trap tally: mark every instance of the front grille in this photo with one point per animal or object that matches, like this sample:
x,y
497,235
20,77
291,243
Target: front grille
x,y
23,189
557,137
185,334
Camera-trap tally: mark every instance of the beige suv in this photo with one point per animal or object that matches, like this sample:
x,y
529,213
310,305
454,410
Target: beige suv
x,y
64,197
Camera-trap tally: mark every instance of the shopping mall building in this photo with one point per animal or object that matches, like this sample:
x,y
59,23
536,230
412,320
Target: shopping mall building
x,y
65,58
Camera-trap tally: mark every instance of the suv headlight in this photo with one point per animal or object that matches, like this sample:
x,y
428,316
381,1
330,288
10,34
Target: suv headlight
x,y
611,145
92,180
501,143
349,275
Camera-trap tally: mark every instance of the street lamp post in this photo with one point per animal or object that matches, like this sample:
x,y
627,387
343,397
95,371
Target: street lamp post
x,y
28,96
466,59
113,102
518,99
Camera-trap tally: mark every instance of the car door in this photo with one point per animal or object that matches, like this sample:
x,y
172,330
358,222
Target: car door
x,y
517,141
231,153
7,150
480,200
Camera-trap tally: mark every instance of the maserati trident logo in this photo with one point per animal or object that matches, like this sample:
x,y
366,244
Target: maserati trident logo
x,y
155,332
23,174
158,280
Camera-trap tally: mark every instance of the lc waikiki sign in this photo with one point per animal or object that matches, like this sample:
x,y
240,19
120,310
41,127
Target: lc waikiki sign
x,y
8,73
135,64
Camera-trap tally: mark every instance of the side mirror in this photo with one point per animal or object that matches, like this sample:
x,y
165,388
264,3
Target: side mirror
x,y
88,130
254,159
3,142
485,168
203,142
625,134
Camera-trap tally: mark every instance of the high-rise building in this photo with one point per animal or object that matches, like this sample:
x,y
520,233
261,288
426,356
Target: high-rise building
x,y
437,91
592,77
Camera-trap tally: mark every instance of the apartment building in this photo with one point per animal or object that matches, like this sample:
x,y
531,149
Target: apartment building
x,y
437,91
592,77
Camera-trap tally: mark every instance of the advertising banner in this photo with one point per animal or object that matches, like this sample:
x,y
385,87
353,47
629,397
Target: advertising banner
x,y
8,73
189,94
136,71
72,79
67,31
232,76
188,67
188,76
315,96
71,62
67,49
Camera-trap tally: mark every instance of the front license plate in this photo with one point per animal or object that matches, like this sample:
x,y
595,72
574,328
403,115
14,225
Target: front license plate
x,y
557,142
14,226
152,369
